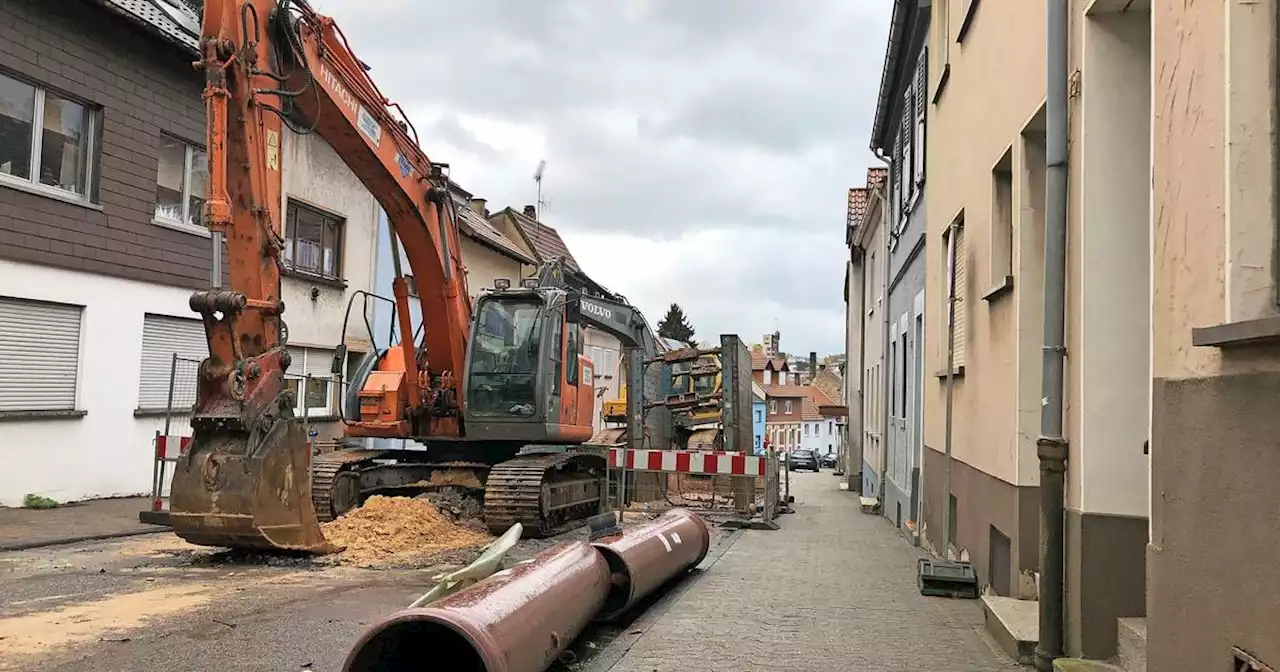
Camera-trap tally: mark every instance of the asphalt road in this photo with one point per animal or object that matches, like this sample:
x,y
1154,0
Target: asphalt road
x,y
156,603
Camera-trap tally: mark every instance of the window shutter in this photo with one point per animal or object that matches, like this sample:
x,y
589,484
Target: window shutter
x,y
39,355
922,107
162,338
961,311
318,363
907,119
897,177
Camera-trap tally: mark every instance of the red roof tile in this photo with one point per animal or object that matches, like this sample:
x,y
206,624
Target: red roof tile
x,y
877,177
857,206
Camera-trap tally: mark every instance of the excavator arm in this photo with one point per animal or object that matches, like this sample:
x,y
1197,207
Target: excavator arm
x,y
270,64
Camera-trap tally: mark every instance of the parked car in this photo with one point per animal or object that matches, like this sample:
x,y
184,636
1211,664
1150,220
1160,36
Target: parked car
x,y
828,460
803,459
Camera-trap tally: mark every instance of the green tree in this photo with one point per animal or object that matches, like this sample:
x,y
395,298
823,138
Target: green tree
x,y
676,326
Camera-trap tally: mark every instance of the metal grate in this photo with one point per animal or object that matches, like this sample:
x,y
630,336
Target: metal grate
x,y
178,20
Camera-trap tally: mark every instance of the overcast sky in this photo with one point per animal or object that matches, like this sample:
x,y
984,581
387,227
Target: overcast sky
x,y
698,151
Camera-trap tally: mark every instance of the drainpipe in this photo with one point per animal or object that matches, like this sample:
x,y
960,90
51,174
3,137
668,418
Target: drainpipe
x,y
1051,446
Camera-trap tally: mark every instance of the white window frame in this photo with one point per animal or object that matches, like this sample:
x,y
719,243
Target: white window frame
x,y
298,370
93,152
182,224
773,406
786,407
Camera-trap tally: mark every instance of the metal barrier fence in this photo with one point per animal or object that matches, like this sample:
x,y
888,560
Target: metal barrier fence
x,y
739,488
173,438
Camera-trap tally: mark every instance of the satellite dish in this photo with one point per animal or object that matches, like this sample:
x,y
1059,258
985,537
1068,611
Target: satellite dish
x,y
537,174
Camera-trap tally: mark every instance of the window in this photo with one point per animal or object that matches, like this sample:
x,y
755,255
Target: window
x,y
1002,219
955,278
39,355
604,359
786,407
162,338
319,399
182,174
831,427
313,241
47,142
773,405
806,429
768,376
571,347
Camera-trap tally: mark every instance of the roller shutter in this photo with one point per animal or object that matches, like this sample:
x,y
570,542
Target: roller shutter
x,y
39,355
162,338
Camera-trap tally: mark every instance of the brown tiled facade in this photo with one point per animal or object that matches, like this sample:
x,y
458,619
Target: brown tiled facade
x,y
144,87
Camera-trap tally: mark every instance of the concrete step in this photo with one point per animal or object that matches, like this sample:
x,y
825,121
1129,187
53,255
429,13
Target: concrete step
x,y
1132,644
1083,665
1014,624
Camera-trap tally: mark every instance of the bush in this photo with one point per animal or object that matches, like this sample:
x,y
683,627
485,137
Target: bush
x,y
39,502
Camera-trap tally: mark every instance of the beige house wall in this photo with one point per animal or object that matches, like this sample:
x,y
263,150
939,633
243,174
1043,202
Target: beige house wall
x,y
992,86
1214,423
873,305
484,265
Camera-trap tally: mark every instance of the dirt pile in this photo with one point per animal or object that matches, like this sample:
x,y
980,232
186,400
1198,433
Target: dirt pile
x,y
398,531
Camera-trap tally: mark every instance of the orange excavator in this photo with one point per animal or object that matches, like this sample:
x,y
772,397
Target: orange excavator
x,y
502,400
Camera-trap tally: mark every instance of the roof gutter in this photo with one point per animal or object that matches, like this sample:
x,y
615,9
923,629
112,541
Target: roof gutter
x,y
884,102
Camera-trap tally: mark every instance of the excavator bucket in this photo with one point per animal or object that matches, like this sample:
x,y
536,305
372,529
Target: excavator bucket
x,y
226,494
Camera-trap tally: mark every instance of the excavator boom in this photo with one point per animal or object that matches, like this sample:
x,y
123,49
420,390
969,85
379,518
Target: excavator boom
x,y
245,478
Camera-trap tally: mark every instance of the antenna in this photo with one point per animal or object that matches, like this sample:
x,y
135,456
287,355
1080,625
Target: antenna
x,y
537,177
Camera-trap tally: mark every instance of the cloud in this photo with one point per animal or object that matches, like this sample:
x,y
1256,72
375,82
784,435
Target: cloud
x,y
697,152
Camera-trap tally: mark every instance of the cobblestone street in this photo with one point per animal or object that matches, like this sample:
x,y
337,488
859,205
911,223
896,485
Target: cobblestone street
x,y
834,589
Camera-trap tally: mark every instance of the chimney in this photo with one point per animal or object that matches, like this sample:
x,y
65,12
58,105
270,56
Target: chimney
x,y
813,365
478,207
531,212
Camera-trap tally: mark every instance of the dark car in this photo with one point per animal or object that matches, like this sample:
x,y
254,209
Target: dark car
x,y
829,460
802,459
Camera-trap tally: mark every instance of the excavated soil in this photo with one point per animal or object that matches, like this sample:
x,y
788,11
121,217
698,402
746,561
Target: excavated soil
x,y
399,532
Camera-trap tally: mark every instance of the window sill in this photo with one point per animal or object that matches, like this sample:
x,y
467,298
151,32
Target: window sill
x,y
942,83
70,414
957,372
1002,287
967,21
183,227
159,412
327,417
1264,330
48,192
303,276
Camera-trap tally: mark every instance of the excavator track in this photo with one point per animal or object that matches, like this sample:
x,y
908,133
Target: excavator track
x,y
326,469
546,493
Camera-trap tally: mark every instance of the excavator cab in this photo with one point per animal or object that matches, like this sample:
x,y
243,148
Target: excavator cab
x,y
525,380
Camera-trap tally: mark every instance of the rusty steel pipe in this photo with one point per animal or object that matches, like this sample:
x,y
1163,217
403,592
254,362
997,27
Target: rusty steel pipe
x,y
517,620
645,557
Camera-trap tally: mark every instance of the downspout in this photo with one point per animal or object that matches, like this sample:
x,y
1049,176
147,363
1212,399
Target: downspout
x,y
1051,446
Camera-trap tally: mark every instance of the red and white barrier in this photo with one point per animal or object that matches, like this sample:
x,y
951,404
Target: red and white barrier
x,y
688,462
168,450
